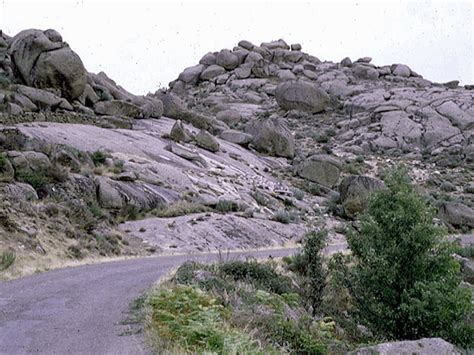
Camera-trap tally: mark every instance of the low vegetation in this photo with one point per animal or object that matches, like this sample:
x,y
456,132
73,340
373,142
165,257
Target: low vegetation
x,y
399,282
7,259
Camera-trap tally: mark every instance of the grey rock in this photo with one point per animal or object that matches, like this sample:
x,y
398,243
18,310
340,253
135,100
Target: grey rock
x,y
401,70
275,44
296,47
117,108
460,118
253,57
244,71
425,346
207,141
322,169
354,191
191,75
236,137
272,136
230,117
365,72
301,96
61,69
28,160
346,62
152,108
246,45
456,214
43,61
286,75
19,191
212,71
227,59
178,133
208,59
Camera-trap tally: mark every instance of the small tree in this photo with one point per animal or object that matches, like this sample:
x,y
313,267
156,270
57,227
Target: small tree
x,y
405,284
309,264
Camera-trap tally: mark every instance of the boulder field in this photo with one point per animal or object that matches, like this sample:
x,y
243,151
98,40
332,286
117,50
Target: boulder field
x,y
250,147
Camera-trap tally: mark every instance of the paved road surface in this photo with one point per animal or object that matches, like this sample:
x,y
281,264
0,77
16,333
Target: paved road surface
x,y
79,310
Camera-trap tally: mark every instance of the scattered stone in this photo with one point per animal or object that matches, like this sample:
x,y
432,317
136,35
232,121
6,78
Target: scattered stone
x,y
178,133
236,137
207,141
117,108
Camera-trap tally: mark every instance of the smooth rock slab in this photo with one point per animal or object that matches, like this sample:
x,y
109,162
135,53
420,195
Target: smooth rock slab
x,y
213,232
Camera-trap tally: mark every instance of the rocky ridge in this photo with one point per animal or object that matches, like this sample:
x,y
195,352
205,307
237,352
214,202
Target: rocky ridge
x,y
258,138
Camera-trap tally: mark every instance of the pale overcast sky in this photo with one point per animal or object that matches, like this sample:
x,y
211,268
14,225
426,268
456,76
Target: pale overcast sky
x,y
145,44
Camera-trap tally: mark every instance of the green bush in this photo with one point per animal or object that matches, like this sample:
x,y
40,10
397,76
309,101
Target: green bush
x,y
99,157
7,260
185,319
285,217
405,283
225,206
4,82
3,163
42,176
290,335
261,275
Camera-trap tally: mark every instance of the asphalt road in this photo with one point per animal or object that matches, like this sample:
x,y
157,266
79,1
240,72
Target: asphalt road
x,y
80,310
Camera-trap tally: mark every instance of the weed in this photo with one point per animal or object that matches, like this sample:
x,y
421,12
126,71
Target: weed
x,y
7,259
261,275
285,217
118,166
99,157
186,319
179,208
225,206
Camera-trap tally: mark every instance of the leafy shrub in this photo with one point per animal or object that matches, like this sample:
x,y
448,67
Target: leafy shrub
x,y
260,198
99,157
298,194
4,82
290,335
188,320
42,176
285,217
405,283
118,166
3,163
7,260
180,208
225,206
261,275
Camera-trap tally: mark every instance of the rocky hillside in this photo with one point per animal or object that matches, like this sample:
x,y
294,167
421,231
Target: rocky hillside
x,y
246,149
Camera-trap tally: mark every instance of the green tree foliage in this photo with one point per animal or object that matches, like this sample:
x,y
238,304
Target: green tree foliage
x,y
404,282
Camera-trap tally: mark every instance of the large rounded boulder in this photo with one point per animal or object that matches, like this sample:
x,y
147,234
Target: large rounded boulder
x,y
272,136
300,95
42,60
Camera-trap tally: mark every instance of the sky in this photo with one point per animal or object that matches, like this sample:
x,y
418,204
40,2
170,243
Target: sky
x,y
143,45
